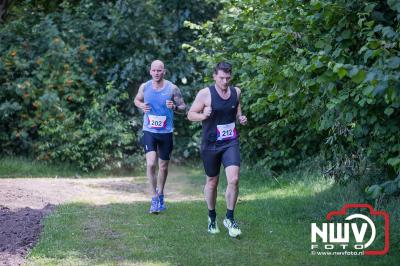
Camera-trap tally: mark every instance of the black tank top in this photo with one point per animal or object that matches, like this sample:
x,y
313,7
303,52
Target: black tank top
x,y
223,115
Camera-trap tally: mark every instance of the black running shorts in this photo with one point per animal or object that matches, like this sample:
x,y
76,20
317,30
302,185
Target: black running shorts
x,y
212,158
158,142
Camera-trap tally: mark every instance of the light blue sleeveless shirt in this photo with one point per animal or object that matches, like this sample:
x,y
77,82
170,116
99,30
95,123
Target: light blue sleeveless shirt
x,y
160,118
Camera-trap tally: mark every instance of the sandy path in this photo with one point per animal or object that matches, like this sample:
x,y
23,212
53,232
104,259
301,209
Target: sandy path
x,y
25,201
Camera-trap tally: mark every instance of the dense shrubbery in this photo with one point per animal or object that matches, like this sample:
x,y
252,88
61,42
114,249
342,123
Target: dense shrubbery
x,y
57,59
316,76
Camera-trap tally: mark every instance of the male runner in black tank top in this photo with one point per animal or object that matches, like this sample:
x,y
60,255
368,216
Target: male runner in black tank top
x,y
218,108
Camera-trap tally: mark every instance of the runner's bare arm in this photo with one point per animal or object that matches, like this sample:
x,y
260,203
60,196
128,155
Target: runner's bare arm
x,y
139,100
180,106
199,111
239,115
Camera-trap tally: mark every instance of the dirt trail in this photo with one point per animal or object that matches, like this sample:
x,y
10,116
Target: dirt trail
x,y
25,201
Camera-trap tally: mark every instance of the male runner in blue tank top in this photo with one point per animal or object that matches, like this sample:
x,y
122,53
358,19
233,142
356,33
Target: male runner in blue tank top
x,y
158,99
218,108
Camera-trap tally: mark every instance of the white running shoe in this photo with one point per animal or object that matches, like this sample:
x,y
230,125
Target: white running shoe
x,y
233,228
212,227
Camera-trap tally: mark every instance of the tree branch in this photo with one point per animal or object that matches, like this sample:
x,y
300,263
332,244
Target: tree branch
x,y
3,9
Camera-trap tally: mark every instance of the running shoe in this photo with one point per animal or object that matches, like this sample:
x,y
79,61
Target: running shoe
x,y
212,227
161,205
232,226
154,205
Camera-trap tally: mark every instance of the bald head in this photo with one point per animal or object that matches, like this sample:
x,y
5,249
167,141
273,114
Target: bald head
x,y
157,63
157,70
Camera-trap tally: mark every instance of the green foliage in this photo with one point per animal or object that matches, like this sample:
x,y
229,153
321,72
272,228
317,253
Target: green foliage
x,y
56,60
387,188
94,138
315,75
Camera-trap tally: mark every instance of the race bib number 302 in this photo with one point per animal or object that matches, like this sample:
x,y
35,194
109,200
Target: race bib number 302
x,y
226,132
157,121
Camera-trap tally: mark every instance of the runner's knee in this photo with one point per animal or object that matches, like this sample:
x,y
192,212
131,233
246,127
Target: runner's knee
x,y
163,166
212,182
151,164
233,180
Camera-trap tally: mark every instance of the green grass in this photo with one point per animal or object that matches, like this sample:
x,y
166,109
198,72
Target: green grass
x,y
275,214
11,167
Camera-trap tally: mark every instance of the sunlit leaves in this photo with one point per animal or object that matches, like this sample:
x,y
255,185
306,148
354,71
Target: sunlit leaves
x,y
326,66
55,67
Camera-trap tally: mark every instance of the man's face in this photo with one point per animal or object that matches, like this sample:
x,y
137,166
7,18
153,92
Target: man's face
x,y
222,79
157,71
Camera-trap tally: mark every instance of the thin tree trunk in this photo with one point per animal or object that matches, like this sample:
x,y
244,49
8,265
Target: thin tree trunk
x,y
3,9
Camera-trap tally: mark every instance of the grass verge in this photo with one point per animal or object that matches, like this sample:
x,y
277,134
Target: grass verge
x,y
11,167
275,214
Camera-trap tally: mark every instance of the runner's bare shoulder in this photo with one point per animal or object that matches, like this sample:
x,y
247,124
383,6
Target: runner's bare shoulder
x,y
238,91
204,95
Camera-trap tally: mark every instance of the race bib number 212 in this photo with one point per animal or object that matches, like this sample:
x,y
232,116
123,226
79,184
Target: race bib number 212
x,y
226,132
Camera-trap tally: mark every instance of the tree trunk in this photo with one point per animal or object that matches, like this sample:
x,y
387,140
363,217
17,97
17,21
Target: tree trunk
x,y
3,9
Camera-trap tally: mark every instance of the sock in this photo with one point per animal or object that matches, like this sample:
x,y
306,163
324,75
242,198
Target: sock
x,y
229,214
212,214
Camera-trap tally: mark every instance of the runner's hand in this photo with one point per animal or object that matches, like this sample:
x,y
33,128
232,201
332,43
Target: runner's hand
x,y
145,108
170,104
207,111
242,119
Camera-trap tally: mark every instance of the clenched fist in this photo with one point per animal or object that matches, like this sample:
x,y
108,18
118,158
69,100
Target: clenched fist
x,y
207,111
145,108
170,104
242,119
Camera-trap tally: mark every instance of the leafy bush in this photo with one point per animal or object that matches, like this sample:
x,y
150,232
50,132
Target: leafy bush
x,y
315,75
56,61
389,187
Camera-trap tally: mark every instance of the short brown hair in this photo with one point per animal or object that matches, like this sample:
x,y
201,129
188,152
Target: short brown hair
x,y
223,66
